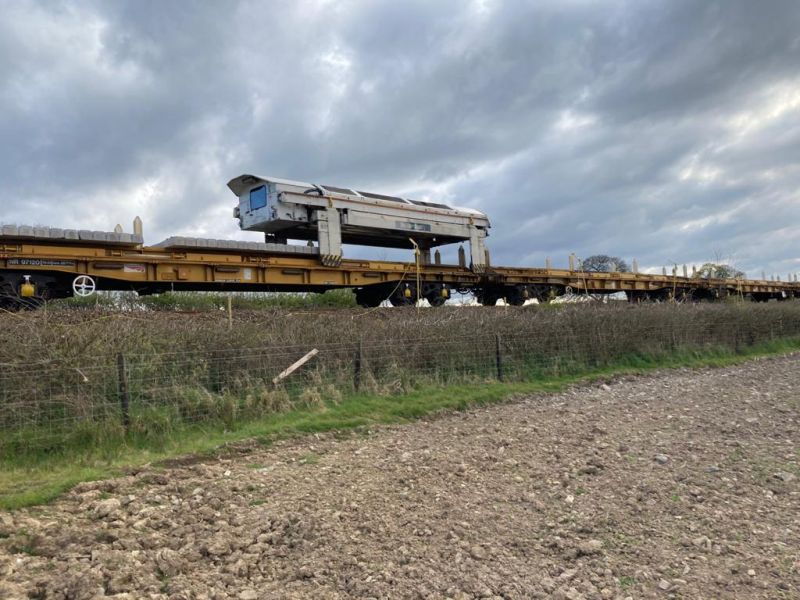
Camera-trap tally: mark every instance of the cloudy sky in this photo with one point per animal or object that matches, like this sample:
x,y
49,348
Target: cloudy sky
x,y
665,130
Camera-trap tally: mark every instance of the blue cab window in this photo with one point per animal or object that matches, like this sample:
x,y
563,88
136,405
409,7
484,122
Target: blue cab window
x,y
258,197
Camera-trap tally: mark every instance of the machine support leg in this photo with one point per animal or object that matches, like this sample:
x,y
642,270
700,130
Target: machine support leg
x,y
329,230
477,250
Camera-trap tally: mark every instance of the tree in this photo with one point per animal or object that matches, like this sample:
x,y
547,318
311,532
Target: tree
x,y
719,271
604,263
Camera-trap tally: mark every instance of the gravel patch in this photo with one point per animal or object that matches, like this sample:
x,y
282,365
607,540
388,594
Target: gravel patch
x,y
679,485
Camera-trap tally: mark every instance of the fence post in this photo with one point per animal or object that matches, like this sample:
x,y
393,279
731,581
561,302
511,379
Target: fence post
x,y
498,357
124,394
359,358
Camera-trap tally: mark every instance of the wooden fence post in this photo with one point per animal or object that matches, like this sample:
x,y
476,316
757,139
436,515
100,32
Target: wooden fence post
x,y
357,362
498,358
124,394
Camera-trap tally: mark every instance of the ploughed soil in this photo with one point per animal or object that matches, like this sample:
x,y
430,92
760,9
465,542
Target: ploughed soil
x,y
679,485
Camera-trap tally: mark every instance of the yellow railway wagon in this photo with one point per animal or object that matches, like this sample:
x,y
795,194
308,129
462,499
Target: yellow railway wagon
x,y
50,263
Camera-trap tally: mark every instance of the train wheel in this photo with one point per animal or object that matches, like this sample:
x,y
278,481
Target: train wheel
x,y
435,299
400,300
369,298
517,296
546,294
488,299
436,295
404,296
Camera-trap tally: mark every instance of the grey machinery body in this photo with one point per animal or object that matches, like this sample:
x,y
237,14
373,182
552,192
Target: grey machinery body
x,y
333,216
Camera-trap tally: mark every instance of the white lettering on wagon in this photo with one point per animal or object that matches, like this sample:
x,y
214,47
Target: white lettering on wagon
x,y
39,262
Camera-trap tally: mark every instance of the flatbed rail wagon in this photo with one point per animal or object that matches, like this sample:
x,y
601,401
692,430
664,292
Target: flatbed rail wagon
x,y
34,269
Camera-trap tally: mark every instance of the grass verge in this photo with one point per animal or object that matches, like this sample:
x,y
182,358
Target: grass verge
x,y
28,481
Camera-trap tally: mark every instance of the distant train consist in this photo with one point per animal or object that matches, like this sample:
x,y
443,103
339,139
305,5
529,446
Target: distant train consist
x,y
42,263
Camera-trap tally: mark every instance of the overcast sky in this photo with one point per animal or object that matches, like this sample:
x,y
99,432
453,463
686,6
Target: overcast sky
x,y
665,130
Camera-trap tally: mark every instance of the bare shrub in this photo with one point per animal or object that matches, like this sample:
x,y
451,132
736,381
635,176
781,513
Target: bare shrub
x,y
58,368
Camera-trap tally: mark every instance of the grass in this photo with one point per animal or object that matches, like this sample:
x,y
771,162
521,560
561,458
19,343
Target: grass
x,y
29,480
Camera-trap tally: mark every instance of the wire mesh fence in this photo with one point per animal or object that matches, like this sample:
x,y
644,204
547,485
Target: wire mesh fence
x,y
46,401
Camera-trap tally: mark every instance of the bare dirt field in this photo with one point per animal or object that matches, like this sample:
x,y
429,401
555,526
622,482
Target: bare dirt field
x,y
679,485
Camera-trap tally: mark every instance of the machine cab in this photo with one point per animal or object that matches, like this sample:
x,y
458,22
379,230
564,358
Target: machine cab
x,y
254,206
260,207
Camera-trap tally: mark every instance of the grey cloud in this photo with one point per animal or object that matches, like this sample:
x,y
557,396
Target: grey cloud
x,y
662,130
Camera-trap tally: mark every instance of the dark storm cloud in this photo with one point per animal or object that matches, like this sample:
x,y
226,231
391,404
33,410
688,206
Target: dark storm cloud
x,y
665,131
